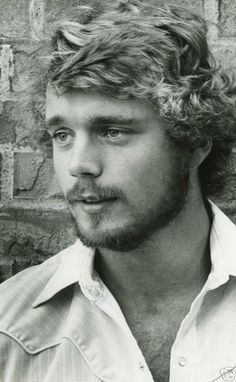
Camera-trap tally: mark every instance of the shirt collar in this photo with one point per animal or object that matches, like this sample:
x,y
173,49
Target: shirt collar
x,y
76,266
222,248
77,263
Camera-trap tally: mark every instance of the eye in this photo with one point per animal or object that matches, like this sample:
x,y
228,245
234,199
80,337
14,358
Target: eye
x,y
62,137
116,134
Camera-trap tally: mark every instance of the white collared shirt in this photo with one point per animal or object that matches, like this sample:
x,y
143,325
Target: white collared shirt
x,y
59,322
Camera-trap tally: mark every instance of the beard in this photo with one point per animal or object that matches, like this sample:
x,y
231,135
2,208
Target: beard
x,y
143,221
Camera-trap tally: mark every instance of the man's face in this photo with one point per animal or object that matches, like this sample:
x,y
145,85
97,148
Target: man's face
x,y
121,177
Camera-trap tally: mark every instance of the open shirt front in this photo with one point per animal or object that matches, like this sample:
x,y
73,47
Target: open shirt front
x,y
59,322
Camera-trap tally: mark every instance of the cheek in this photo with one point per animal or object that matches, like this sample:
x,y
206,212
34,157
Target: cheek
x,y
143,168
61,171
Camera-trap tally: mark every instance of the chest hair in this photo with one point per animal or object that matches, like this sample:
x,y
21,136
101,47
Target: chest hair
x,y
155,334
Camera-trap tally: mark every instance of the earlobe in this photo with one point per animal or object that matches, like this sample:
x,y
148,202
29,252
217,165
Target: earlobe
x,y
199,155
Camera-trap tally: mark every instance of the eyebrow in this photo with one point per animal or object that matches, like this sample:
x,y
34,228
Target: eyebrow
x,y
102,119
55,120
94,120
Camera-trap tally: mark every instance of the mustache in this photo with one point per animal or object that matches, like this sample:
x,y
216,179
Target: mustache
x,y
81,191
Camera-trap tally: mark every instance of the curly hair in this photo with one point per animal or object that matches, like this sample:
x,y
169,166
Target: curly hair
x,y
160,55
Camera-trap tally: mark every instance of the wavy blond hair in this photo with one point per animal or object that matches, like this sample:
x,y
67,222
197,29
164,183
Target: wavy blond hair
x,y
157,54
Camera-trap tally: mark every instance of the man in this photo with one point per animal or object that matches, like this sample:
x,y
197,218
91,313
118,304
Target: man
x,y
142,125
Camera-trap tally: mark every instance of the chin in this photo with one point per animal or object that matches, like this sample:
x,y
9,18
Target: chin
x,y
117,239
110,238
108,241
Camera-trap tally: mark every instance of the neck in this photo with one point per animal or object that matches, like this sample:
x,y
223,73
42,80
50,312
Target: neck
x,y
173,262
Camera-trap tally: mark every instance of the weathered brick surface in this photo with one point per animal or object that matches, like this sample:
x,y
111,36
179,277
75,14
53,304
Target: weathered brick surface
x,y
7,71
18,123
227,13
26,169
7,164
36,13
7,122
53,5
34,222
29,236
14,18
225,55
34,174
195,6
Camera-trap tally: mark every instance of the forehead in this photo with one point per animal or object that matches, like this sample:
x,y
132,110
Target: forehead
x,y
81,106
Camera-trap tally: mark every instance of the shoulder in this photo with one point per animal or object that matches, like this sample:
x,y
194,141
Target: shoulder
x,y
27,284
18,294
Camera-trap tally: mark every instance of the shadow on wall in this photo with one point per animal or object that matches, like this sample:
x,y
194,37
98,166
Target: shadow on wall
x,y
21,256
30,237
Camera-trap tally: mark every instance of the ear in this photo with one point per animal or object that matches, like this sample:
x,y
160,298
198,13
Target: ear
x,y
199,154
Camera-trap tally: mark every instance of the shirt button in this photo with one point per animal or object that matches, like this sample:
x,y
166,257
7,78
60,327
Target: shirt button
x,y
93,293
141,365
182,361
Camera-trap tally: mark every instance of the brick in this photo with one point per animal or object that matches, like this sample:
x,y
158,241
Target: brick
x,y
51,230
29,237
227,23
18,114
22,53
7,231
25,127
43,181
26,171
194,6
19,124
28,111
61,6
225,55
64,5
55,9
36,12
211,10
7,71
6,268
211,15
14,18
7,160
22,122
26,168
54,191
7,123
33,175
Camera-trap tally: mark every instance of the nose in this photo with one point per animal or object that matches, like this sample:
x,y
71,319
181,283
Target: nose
x,y
84,159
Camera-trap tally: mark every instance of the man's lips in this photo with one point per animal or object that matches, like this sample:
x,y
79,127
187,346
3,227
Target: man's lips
x,y
94,199
92,204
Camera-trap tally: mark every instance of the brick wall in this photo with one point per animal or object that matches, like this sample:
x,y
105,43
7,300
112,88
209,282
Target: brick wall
x,y
34,221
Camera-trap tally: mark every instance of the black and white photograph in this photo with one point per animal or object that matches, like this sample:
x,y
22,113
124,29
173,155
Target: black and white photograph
x,y
117,191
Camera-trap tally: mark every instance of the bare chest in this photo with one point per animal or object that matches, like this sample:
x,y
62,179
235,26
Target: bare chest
x,y
155,336
156,347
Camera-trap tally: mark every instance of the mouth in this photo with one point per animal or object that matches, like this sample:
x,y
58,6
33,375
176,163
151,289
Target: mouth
x,y
94,204
94,199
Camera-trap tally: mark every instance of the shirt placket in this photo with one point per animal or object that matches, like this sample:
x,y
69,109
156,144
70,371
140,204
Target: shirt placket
x,y
185,361
108,304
